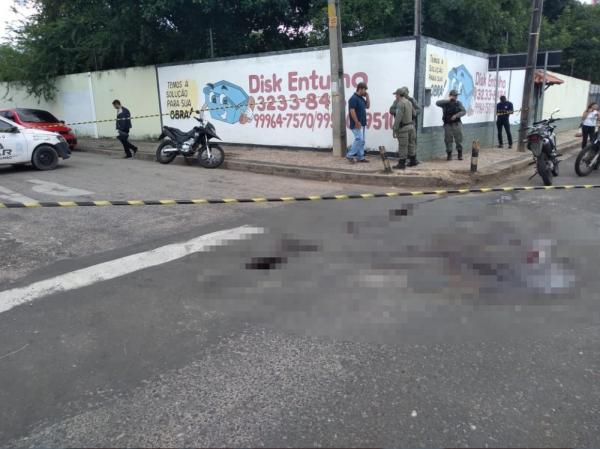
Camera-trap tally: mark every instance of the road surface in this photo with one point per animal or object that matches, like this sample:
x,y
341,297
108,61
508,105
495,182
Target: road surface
x,y
422,322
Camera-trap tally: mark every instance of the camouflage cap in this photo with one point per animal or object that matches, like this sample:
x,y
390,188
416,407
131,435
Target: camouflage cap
x,y
403,92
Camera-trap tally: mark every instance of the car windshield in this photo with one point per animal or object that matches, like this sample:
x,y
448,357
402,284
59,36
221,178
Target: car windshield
x,y
36,116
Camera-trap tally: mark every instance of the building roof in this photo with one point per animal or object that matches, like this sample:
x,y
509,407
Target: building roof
x,y
550,79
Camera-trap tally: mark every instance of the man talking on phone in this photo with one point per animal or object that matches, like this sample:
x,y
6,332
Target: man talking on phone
x,y
358,105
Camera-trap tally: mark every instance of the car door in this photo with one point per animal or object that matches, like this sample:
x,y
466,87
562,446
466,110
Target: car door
x,y
13,144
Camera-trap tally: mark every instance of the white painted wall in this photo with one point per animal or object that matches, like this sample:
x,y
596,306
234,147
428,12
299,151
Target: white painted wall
x,y
278,114
571,97
136,89
448,69
268,96
72,102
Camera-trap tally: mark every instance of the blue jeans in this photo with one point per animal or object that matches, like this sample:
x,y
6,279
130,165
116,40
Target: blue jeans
x,y
358,146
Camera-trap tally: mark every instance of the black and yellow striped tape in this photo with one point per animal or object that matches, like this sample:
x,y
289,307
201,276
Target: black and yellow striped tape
x,y
284,199
264,103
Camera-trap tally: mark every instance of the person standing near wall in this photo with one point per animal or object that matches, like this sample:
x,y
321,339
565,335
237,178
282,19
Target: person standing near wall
x,y
358,105
504,109
123,128
453,110
590,120
415,105
404,129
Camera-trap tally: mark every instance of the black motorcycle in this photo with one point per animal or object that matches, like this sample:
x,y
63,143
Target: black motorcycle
x,y
541,141
588,159
175,142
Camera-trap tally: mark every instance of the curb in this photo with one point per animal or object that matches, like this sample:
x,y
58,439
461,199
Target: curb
x,y
340,176
315,174
312,174
508,168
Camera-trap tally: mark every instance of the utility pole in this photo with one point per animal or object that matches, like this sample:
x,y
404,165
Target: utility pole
x,y
544,86
418,17
534,41
338,94
496,96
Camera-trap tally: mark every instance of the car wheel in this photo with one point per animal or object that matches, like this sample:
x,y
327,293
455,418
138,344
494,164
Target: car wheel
x,y
45,158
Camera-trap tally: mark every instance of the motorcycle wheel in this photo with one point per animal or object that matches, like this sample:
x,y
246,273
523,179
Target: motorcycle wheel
x,y
162,157
543,168
212,160
583,163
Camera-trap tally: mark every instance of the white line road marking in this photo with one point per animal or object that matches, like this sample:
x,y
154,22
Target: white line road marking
x,y
55,189
10,196
123,266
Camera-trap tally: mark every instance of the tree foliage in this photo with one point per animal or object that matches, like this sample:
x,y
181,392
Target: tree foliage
x,y
68,36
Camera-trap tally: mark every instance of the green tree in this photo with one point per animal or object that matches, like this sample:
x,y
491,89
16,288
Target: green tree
x,y
361,20
577,32
69,36
487,25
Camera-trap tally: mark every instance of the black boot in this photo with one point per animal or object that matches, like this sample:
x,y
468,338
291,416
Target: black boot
x,y
460,158
448,156
401,164
412,161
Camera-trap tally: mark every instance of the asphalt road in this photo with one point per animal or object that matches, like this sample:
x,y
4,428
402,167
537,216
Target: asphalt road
x,y
422,322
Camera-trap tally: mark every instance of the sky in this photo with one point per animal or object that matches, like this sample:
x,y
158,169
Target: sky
x,y
8,17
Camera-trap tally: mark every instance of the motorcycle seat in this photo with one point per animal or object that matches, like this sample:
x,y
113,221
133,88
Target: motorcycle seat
x,y
181,135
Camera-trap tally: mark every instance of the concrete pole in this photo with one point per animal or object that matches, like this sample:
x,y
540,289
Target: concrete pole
x,y
541,115
212,43
534,41
338,94
93,101
418,17
496,100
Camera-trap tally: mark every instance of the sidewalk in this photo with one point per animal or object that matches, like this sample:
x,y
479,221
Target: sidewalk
x,y
493,163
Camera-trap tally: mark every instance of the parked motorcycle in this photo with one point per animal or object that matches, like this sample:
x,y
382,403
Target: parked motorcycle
x,y
588,159
175,142
541,141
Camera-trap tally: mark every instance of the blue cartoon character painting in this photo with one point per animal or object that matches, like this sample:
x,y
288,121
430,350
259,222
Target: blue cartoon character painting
x,y
460,79
228,103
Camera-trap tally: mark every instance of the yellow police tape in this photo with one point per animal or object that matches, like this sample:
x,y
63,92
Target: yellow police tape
x,y
263,104
285,199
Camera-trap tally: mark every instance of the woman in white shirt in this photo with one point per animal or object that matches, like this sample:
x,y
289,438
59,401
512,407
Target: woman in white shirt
x,y
588,125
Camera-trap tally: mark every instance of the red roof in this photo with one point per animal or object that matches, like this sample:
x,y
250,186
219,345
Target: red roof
x,y
550,79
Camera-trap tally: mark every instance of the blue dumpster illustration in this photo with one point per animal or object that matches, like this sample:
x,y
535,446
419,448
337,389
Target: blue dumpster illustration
x,y
460,79
226,102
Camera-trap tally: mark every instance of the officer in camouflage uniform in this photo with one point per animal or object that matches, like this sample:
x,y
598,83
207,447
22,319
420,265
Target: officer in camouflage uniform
x,y
415,105
453,110
404,129
416,112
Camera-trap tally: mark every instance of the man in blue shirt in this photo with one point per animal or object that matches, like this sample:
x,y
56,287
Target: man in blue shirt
x,y
358,105
503,111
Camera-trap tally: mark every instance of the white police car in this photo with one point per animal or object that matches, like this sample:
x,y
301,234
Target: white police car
x,y
21,146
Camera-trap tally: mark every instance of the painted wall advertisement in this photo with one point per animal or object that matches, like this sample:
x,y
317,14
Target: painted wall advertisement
x,y
286,99
448,70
